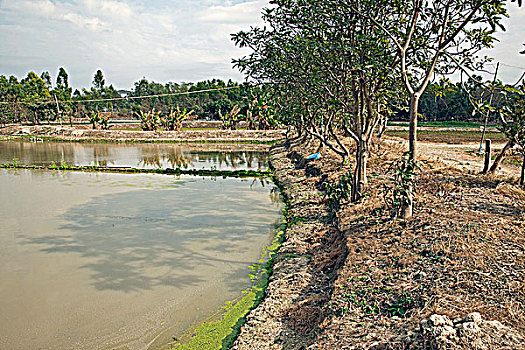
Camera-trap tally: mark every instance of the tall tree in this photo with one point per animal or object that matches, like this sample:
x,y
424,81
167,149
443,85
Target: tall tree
x,y
46,77
329,69
35,92
435,37
62,78
98,80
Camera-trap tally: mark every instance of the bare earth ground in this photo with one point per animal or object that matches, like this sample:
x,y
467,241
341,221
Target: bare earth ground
x,y
463,156
76,133
452,277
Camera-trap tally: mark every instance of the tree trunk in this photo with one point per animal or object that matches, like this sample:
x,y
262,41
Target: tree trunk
x,y
488,156
407,207
305,137
360,175
382,127
412,132
522,178
35,118
500,157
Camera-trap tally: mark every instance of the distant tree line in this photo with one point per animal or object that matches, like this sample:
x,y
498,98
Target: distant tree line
x,y
32,99
35,99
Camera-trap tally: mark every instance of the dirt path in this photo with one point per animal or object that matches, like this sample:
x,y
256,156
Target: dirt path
x,y
463,156
76,134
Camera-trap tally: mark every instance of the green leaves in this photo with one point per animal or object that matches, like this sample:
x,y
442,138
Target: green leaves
x,y
400,192
172,121
513,115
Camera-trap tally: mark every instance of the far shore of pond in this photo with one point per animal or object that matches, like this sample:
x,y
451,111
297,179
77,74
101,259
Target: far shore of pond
x,y
67,133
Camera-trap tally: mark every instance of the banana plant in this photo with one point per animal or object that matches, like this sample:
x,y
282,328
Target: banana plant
x,y
149,121
173,120
99,121
229,120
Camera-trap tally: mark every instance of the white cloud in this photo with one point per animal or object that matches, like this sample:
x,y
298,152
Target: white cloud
x,y
506,51
93,23
165,41
244,13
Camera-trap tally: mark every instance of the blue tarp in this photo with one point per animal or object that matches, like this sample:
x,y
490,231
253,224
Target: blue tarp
x,y
314,156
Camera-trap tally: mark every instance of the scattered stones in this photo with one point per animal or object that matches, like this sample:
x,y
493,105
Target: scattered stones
x,y
469,333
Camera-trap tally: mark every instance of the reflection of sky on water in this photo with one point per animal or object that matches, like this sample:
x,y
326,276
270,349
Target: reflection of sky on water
x,y
149,230
86,252
131,155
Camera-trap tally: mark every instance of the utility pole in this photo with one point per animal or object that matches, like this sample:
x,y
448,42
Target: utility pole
x,y
58,110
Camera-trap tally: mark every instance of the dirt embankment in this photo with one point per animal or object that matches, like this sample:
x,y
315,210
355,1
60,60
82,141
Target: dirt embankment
x,y
306,264
76,134
452,277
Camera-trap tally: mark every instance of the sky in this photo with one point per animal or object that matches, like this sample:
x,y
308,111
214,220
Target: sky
x,y
162,40
507,50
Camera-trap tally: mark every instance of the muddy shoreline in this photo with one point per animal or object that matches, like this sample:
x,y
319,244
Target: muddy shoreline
x,y
306,264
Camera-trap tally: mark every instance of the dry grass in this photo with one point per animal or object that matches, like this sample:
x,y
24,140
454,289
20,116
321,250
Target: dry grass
x,y
367,284
463,251
449,136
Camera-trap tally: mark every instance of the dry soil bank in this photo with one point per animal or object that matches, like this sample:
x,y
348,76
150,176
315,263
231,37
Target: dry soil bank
x,y
452,277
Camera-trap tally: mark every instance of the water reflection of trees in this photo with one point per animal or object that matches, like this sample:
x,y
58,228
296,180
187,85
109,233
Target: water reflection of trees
x,y
172,157
176,157
150,156
235,160
36,153
102,155
275,194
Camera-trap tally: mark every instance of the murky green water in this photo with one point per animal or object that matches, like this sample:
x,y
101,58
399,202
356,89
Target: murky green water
x,y
107,261
186,156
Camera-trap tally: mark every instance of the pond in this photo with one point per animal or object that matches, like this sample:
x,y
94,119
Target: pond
x,y
106,261
140,155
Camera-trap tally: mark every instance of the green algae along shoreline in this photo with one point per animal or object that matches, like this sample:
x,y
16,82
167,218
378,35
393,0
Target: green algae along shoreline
x,y
128,170
223,331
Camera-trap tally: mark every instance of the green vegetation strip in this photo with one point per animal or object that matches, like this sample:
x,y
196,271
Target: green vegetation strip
x,y
166,171
445,124
222,333
449,135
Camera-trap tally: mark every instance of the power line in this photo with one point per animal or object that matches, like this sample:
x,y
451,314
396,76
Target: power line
x,y
510,65
130,97
507,65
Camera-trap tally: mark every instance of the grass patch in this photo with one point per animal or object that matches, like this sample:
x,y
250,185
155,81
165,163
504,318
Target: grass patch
x,y
167,171
445,124
183,129
513,158
448,136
